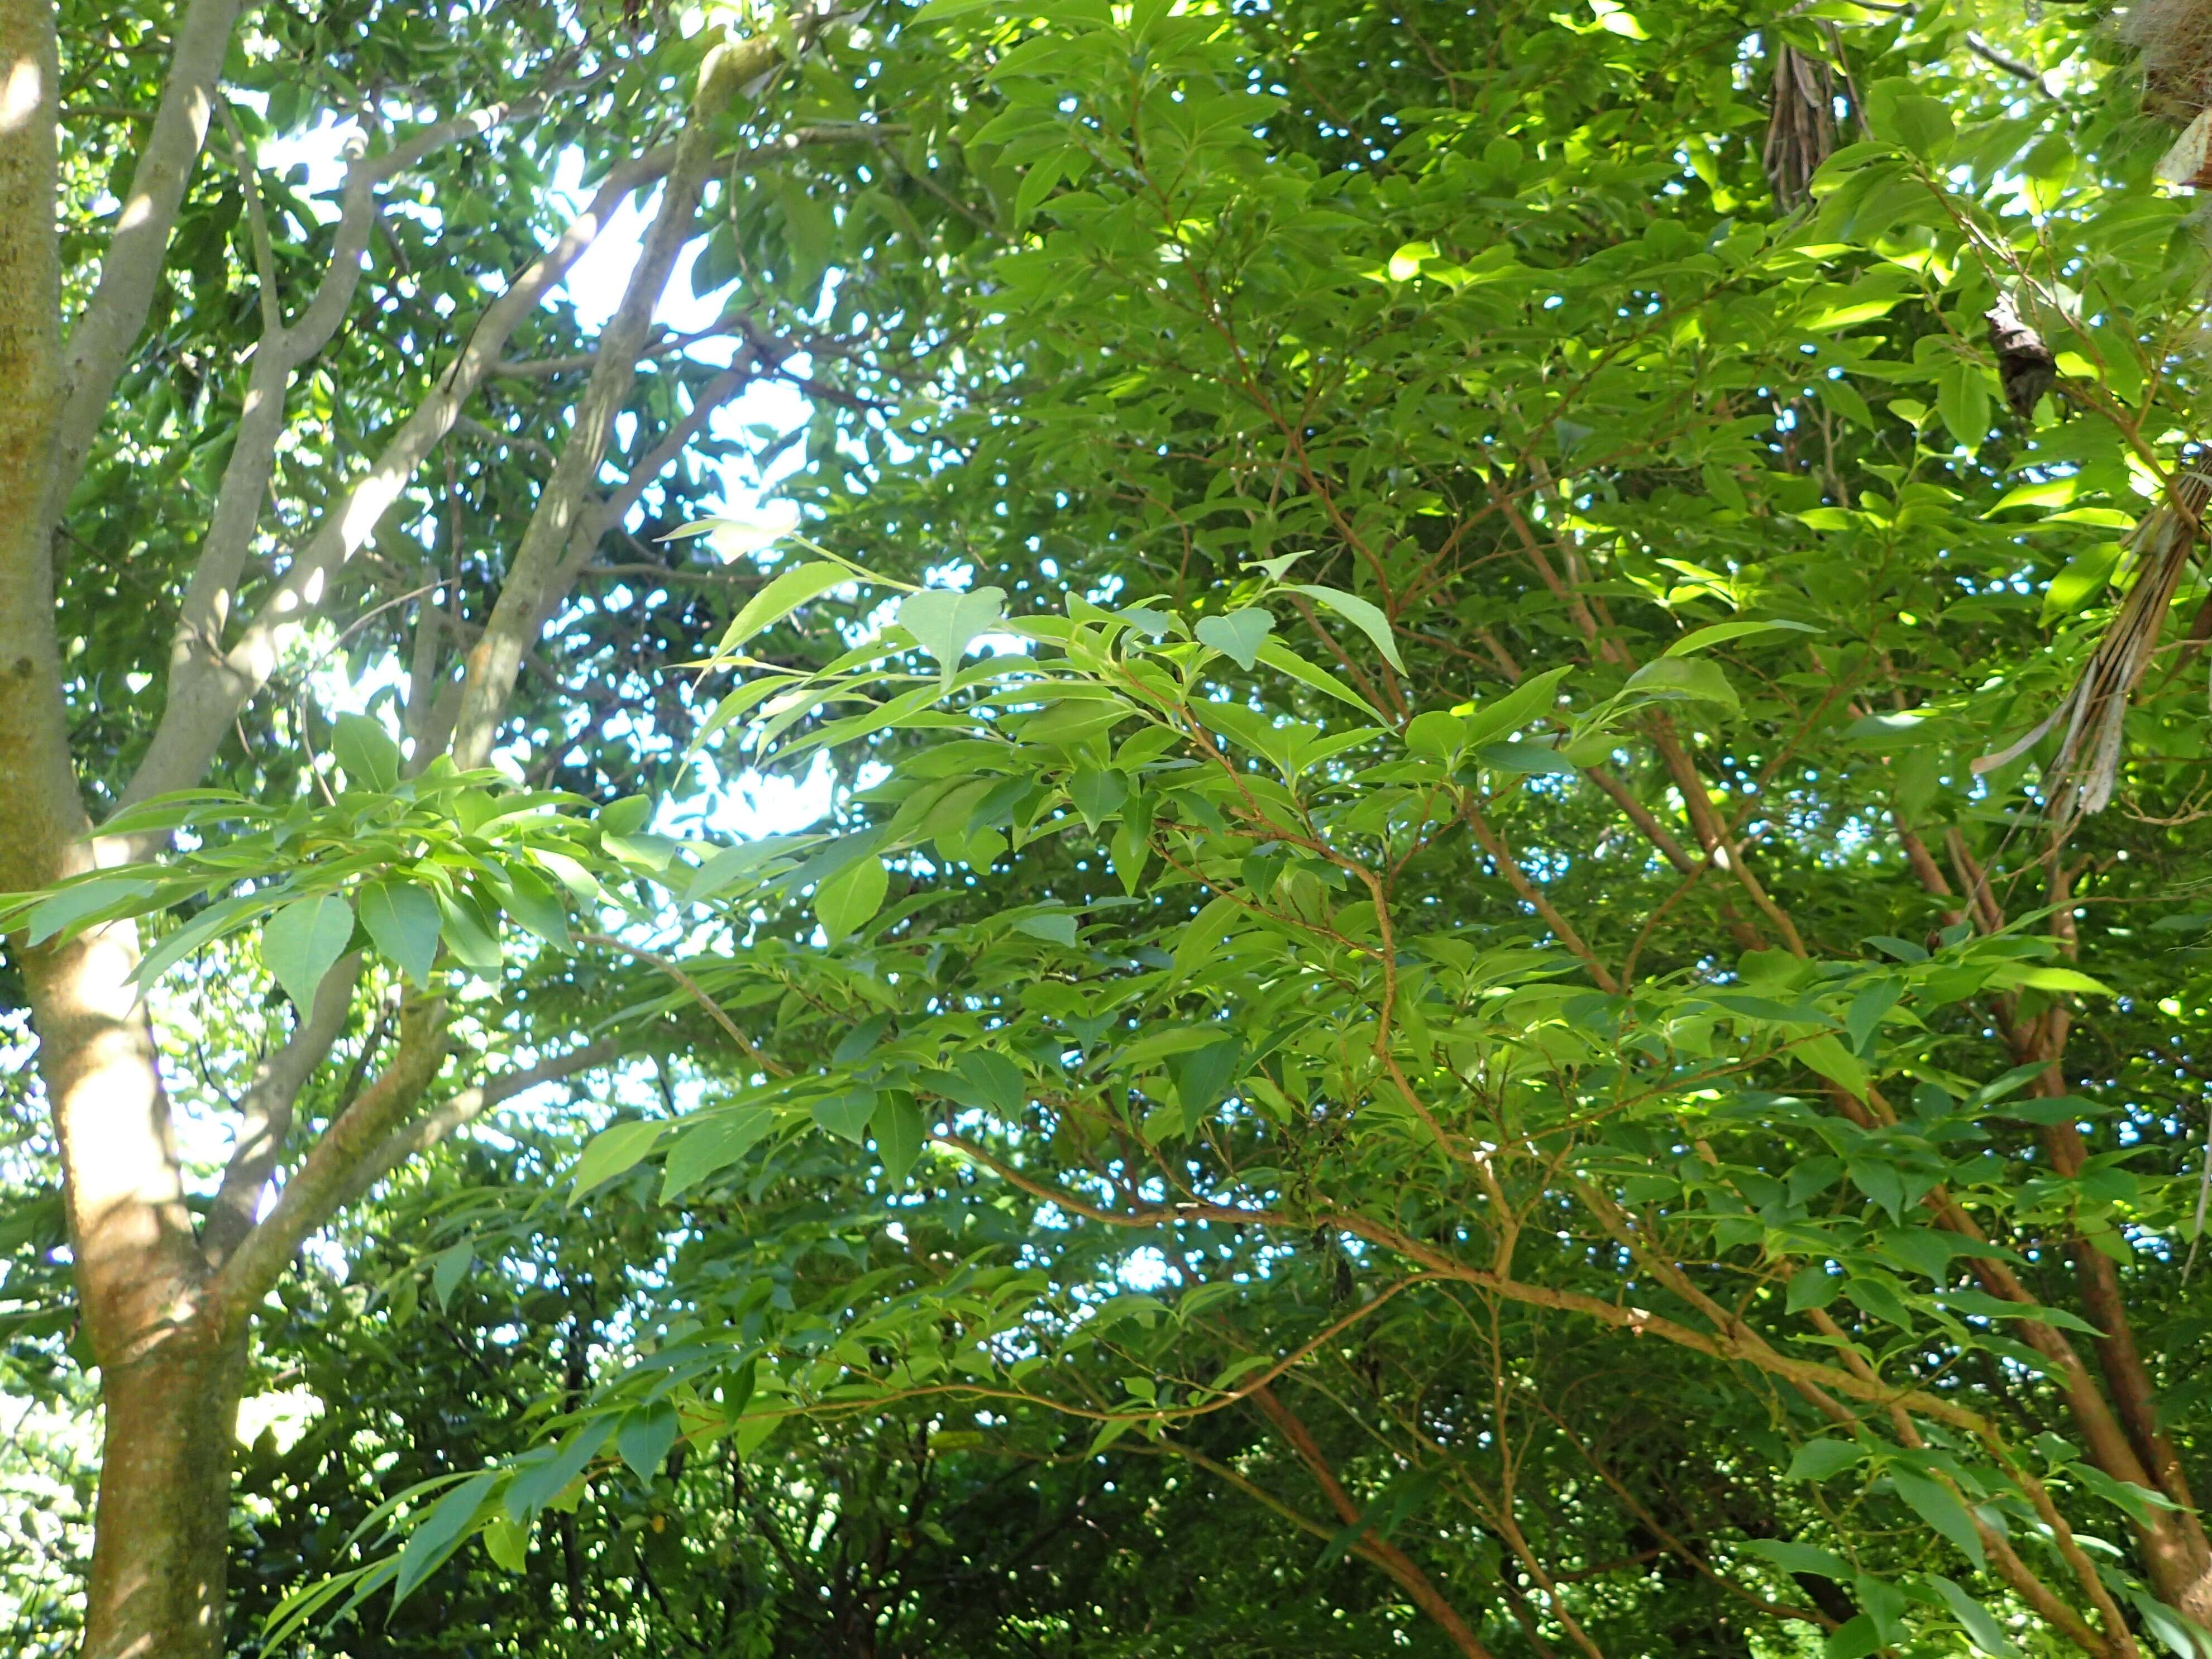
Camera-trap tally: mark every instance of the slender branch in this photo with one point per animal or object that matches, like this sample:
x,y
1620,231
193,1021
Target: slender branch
x,y
317,1186
1388,1556
131,270
465,1108
533,586
208,694
266,1111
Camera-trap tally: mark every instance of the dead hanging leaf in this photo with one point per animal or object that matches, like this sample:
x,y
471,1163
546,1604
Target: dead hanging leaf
x,y
2082,777
2025,366
2190,159
1800,131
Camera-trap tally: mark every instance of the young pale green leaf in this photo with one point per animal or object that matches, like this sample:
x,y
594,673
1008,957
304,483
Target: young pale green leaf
x,y
303,941
1362,614
507,1542
944,623
1237,635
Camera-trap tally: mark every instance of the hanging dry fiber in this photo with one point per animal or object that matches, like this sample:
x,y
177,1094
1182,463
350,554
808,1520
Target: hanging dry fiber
x,y
2080,778
1800,132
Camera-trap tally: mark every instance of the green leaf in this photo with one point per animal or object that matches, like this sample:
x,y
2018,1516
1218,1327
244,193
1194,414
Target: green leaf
x,y
1367,618
1685,677
1799,1557
1205,934
447,1268
1058,929
944,623
1824,1459
1097,793
212,923
1962,398
993,1080
366,753
440,1534
531,901
1812,1287
73,904
1704,639
1113,1430
1940,1507
702,1149
2080,583
610,1153
507,1542
1437,733
1280,658
1982,1630
644,1439
847,1116
302,942
404,922
900,1132
1537,694
791,589
1828,1056
1237,635
850,898
1202,1076
542,1480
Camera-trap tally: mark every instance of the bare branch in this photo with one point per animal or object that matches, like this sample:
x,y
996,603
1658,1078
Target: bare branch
x,y
466,1108
266,1112
100,346
317,1186
208,687
2011,65
534,584
257,219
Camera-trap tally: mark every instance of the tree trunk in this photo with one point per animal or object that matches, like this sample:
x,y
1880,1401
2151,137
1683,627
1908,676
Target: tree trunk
x,y
163,1523
170,1363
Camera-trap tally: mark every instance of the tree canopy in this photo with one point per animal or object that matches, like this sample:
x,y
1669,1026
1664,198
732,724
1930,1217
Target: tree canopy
x,y
1506,954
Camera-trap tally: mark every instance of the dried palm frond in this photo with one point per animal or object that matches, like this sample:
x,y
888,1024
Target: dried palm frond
x,y
2080,778
1800,131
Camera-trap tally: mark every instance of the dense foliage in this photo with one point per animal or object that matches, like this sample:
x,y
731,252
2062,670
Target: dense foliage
x,y
1439,1010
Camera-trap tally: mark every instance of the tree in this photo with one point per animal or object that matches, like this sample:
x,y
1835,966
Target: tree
x,y
1480,917
227,409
